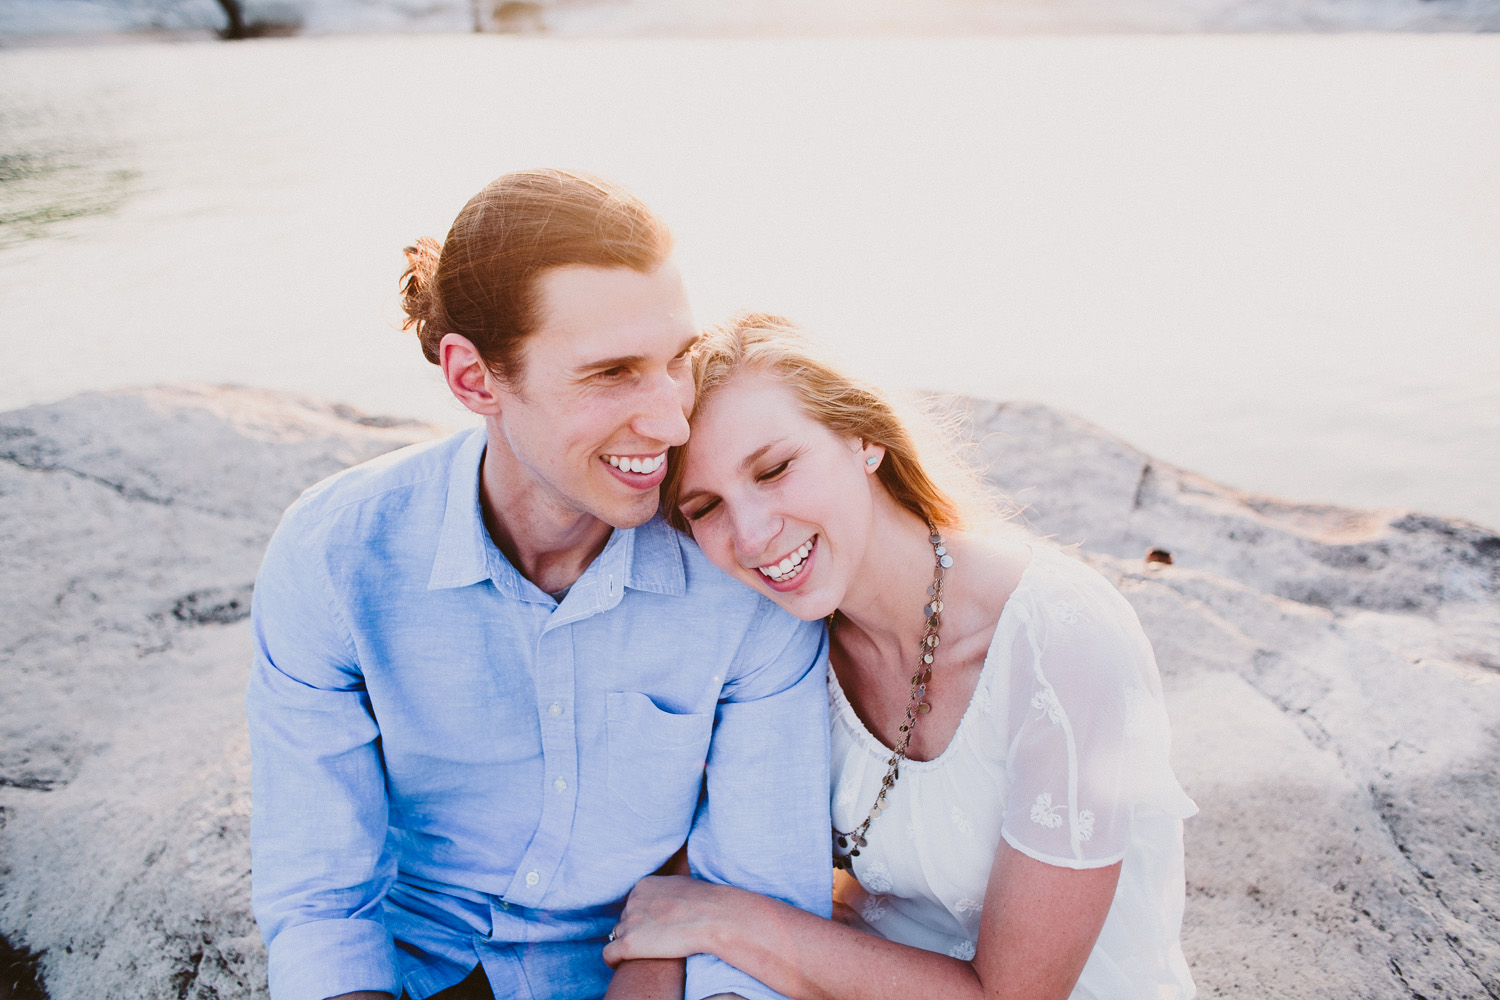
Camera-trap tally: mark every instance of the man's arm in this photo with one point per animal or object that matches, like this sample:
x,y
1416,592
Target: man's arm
x,y
319,818
763,824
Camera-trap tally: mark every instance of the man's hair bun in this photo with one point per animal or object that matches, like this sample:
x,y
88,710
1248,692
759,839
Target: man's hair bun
x,y
419,297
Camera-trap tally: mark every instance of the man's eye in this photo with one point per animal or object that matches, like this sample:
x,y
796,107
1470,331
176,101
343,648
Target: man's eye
x,y
702,511
773,472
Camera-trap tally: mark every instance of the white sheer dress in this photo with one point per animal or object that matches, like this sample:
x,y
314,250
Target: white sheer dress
x,y
1063,753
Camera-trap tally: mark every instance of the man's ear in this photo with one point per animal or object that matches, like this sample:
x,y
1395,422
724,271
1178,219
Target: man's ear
x,y
468,377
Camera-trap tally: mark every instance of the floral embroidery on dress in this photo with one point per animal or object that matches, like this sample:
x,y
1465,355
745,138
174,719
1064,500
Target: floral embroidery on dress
x,y
982,698
1044,812
872,909
847,791
911,830
967,905
876,878
963,951
1045,700
1085,824
1065,614
961,821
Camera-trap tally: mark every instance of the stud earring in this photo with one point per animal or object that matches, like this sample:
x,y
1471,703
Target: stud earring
x,y
872,460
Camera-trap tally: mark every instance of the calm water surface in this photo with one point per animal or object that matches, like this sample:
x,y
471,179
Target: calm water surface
x,y
1273,260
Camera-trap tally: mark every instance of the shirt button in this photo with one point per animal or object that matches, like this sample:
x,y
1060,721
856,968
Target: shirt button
x,y
554,709
560,785
532,878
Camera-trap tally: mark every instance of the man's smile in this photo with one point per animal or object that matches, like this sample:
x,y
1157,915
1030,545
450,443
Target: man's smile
x,y
636,463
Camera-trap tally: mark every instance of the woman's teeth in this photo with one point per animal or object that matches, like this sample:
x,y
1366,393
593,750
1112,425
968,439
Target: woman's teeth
x,y
787,568
637,465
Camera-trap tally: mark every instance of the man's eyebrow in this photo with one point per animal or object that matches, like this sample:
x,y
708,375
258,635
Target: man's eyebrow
x,y
630,360
605,364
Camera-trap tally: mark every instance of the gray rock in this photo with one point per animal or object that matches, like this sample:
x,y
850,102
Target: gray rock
x,y
1333,677
132,524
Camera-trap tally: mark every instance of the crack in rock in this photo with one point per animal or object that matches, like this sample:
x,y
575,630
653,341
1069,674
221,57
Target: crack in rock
x,y
37,464
214,606
33,784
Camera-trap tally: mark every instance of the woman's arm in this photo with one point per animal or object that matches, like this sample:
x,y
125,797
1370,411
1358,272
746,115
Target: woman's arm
x,y
647,979
1040,923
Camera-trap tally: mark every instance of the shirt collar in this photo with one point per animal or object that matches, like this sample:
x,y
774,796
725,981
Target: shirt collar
x,y
463,543
647,558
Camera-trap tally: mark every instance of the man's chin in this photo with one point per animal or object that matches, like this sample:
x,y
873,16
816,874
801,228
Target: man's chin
x,y
633,515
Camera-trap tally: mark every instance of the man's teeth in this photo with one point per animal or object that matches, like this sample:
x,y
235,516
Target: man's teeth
x,y
637,465
788,566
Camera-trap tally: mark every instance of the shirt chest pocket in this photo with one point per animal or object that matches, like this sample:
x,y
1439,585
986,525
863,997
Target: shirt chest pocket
x,y
656,757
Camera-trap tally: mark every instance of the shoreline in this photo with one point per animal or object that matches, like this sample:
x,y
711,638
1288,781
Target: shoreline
x,y
36,24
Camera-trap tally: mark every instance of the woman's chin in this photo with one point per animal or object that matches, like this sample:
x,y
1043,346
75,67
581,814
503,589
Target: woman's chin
x,y
802,603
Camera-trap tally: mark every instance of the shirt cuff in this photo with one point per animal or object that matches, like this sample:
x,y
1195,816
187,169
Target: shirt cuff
x,y
324,958
708,976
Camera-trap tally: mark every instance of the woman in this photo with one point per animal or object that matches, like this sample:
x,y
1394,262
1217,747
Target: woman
x,y
1002,802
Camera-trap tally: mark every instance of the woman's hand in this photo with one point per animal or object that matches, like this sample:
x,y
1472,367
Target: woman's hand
x,y
670,916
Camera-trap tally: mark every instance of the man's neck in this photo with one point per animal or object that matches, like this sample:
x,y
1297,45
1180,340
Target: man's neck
x,y
548,544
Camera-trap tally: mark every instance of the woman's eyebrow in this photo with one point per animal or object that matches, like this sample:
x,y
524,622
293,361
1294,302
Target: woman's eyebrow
x,y
745,463
689,496
758,454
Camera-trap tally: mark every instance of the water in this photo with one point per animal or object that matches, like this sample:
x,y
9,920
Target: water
x,y
1274,260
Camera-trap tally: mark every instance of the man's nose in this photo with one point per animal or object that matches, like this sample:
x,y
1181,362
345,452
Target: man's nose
x,y
663,411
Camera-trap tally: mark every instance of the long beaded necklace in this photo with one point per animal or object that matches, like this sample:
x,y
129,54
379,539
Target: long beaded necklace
x,y
846,845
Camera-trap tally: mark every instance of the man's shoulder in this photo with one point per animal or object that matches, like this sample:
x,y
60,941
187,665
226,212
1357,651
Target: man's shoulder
x,y
711,587
388,480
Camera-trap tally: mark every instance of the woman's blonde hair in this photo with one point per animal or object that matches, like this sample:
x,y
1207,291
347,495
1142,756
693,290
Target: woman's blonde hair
x,y
850,407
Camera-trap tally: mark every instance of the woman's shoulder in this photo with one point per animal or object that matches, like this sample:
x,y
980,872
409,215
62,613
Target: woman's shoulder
x,y
1070,612
1059,578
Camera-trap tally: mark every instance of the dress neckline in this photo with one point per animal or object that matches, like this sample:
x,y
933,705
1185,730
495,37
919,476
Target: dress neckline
x,y
849,718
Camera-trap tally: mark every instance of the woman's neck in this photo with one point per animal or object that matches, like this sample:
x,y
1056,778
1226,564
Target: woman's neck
x,y
884,603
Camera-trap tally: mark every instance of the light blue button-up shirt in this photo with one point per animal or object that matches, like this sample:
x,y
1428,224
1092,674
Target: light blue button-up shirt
x,y
451,767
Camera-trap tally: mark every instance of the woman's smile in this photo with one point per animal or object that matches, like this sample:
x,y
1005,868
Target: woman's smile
x,y
787,573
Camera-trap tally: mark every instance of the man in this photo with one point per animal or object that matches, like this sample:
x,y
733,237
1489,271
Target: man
x,y
491,690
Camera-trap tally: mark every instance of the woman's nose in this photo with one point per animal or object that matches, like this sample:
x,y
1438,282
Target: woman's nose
x,y
755,527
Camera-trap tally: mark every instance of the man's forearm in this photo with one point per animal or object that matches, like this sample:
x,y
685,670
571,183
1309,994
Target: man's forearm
x,y
648,979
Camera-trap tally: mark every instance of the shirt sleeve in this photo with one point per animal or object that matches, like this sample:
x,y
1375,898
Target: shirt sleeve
x,y
1087,728
762,823
318,826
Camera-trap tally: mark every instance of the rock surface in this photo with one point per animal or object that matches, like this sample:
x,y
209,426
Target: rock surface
x,y
1333,677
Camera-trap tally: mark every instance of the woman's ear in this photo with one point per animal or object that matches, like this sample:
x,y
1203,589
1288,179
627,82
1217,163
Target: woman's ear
x,y
871,453
468,377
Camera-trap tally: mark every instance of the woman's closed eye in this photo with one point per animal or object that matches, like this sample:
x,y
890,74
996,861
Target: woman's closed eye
x,y
773,472
701,510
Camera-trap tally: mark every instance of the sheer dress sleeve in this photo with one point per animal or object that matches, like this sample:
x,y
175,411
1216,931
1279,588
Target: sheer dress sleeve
x,y
1087,730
